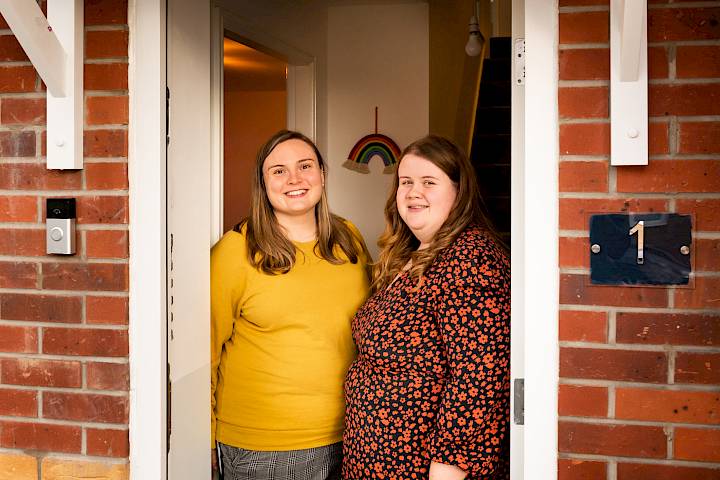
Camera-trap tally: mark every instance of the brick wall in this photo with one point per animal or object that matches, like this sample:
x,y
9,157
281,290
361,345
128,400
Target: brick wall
x,y
640,367
63,320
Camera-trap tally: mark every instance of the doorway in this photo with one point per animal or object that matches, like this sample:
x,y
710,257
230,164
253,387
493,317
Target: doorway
x,y
189,241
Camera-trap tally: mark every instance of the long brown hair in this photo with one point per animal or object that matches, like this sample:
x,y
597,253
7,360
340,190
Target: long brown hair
x,y
268,248
398,245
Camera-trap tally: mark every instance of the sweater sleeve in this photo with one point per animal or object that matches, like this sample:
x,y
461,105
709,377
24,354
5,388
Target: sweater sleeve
x,y
474,316
227,283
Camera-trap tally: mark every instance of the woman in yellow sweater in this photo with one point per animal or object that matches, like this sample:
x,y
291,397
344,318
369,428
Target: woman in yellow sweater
x,y
285,284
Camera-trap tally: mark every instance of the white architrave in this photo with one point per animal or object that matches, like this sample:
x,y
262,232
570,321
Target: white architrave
x,y
628,83
55,47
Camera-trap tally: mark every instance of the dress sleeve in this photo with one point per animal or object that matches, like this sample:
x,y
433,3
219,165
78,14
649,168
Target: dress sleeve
x,y
227,282
474,316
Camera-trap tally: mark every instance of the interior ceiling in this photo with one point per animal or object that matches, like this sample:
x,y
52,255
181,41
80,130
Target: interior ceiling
x,y
249,69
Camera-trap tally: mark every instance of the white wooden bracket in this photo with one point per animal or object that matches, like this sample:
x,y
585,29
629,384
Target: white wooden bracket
x,y
55,48
628,83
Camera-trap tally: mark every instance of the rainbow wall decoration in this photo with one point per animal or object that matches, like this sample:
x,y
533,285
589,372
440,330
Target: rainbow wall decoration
x,y
371,146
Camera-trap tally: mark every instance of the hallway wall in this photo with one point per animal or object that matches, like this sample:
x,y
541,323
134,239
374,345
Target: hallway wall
x,y
377,56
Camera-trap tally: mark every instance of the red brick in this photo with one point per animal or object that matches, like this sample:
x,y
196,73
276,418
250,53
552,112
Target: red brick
x,y
583,102
18,209
40,308
574,252
106,176
84,276
697,61
108,376
107,110
106,310
106,76
23,111
699,137
18,403
702,445
106,44
697,368
671,406
107,244
85,341
707,255
106,12
581,469
579,326
668,329
657,62
611,364
18,339
707,213
584,64
647,471
584,27
41,373
670,176
658,138
17,79
40,436
575,212
577,290
683,24
25,242
85,407
18,275
110,209
581,401
17,144
584,176
684,99
616,440
11,50
705,294
106,143
585,139
36,176
108,443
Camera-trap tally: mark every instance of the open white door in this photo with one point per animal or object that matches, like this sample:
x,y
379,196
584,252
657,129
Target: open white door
x,y
189,238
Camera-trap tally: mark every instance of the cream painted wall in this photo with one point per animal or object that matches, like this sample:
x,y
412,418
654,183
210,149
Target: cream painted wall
x,y
377,56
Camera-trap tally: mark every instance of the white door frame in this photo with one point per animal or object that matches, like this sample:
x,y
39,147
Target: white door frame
x,y
538,270
300,93
148,276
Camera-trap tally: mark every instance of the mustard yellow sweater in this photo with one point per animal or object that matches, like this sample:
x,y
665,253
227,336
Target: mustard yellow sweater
x,y
281,345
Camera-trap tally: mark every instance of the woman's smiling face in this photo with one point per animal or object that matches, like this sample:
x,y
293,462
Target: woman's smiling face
x,y
293,178
425,197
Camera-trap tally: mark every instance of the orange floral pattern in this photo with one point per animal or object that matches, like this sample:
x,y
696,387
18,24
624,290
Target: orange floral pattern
x,y
431,381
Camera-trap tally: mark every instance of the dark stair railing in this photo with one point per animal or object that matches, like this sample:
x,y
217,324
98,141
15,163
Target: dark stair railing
x,y
490,147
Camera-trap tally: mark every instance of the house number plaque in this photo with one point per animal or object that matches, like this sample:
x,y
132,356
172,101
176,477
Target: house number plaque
x,y
640,249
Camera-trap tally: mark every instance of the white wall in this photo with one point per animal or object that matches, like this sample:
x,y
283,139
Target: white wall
x,y
377,56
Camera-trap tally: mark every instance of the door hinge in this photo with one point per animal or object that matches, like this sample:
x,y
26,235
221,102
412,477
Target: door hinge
x,y
519,60
519,401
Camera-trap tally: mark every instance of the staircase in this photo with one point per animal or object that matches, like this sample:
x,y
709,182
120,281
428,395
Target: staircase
x,y
490,154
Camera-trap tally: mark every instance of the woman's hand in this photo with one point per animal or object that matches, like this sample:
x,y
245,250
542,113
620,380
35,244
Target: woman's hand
x,y
442,471
213,462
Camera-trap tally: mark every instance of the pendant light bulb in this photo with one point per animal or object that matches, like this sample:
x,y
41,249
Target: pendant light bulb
x,y
473,47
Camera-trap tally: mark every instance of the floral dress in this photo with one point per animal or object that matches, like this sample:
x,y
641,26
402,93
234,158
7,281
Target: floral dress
x,y
431,381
